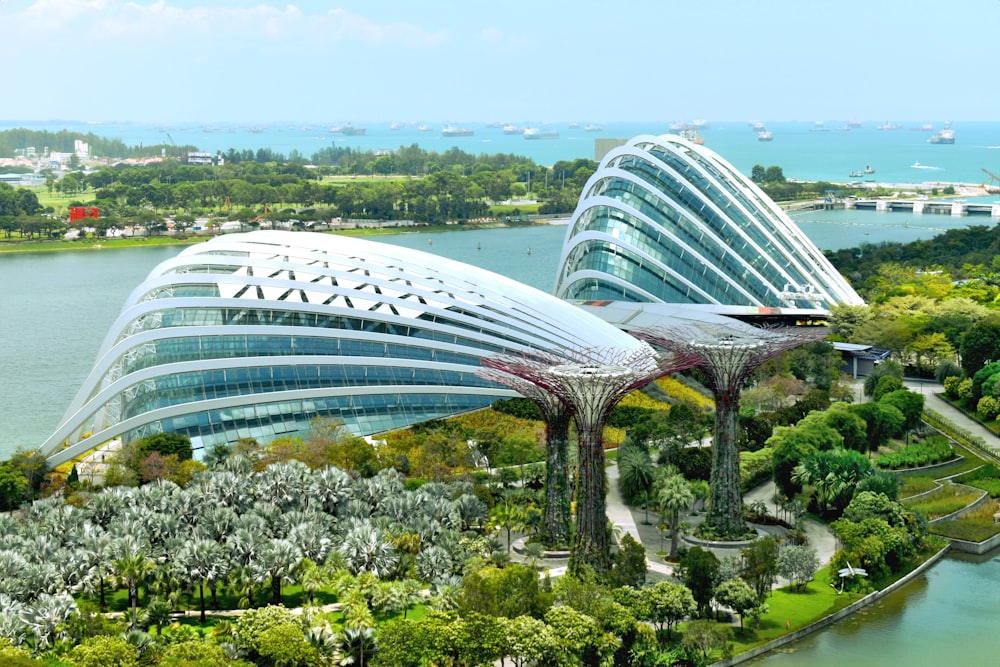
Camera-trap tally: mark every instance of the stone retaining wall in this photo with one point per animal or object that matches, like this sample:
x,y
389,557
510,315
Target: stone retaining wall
x,y
832,618
977,548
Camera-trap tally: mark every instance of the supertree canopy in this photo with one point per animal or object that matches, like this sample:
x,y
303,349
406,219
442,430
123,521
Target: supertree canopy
x,y
728,354
591,386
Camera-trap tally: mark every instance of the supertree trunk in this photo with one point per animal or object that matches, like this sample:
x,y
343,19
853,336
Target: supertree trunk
x,y
591,546
512,371
725,512
557,514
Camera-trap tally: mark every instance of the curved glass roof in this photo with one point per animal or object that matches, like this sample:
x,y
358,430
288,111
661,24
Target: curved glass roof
x,y
666,220
252,335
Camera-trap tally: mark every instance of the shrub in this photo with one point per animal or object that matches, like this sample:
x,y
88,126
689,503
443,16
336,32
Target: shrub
x,y
928,452
104,652
965,388
988,407
255,622
951,385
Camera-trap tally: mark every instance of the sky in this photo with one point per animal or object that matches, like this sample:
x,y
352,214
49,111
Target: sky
x,y
479,60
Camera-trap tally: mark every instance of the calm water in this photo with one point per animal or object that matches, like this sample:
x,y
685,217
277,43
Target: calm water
x,y
946,617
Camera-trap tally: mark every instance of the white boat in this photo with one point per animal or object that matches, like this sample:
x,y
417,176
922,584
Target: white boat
x,y
765,135
945,136
452,131
868,169
592,128
513,129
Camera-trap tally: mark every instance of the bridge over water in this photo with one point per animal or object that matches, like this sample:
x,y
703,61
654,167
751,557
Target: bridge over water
x,y
956,207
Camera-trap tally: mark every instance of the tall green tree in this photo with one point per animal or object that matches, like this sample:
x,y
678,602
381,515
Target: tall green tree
x,y
674,496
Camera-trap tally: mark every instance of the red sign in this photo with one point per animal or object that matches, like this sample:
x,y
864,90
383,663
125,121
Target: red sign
x,y
81,212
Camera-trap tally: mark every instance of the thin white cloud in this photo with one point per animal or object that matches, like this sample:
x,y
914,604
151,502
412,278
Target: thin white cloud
x,y
491,35
96,20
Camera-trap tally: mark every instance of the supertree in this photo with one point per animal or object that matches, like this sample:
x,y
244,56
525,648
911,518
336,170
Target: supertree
x,y
591,386
509,370
728,354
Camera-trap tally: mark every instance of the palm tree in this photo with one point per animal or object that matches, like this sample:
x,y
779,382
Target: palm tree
x,y
330,488
507,517
200,561
674,496
356,644
635,472
365,550
157,614
312,577
277,559
131,562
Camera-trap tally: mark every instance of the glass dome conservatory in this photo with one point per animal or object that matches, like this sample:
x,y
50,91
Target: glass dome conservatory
x,y
666,220
253,335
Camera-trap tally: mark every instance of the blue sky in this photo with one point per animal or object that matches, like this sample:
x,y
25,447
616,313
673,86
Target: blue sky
x,y
477,60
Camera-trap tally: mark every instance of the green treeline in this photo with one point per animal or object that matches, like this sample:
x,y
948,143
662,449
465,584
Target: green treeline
x,y
415,184
21,138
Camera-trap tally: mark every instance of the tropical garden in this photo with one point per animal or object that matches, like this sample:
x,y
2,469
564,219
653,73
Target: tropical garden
x,y
329,549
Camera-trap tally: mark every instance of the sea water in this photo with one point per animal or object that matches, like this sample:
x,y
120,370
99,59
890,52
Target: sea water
x,y
803,149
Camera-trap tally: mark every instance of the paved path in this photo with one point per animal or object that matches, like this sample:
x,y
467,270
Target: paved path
x,y
930,390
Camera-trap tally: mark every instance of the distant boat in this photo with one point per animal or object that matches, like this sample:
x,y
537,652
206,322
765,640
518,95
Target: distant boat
x,y
853,124
513,129
574,126
765,135
692,136
945,136
350,131
856,174
424,128
889,126
535,133
395,126
592,128
868,169
452,131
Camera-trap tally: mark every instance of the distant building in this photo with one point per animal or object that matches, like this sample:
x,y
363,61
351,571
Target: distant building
x,y
82,149
605,145
197,157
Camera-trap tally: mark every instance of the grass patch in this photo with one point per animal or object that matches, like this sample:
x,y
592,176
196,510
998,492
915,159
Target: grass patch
x,y
798,608
514,209
975,526
970,530
912,485
98,243
944,501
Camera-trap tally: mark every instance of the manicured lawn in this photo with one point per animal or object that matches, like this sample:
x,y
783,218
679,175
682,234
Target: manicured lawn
x,y
99,244
797,608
